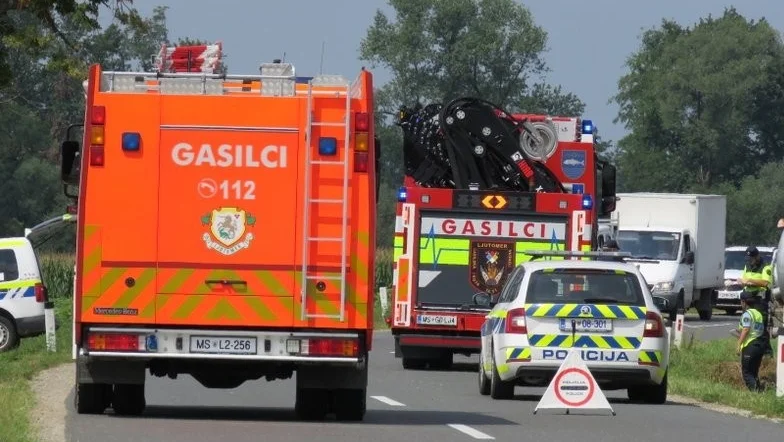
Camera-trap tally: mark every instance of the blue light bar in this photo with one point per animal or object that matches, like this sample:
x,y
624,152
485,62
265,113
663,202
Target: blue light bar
x,y
587,202
588,127
402,194
131,141
328,146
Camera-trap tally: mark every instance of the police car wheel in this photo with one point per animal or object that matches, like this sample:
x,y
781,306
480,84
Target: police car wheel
x,y
499,389
484,383
8,336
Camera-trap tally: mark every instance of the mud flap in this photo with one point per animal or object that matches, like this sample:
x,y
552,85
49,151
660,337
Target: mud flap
x,y
92,371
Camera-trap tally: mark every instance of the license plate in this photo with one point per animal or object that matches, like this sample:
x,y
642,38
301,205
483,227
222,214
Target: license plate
x,y
436,320
728,295
233,345
586,325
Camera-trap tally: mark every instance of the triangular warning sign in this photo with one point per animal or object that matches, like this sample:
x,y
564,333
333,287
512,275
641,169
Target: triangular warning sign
x,y
574,387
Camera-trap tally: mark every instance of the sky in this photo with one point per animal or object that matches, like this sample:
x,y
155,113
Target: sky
x,y
588,44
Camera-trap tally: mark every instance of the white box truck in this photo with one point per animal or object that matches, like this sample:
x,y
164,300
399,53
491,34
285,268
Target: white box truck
x,y
677,241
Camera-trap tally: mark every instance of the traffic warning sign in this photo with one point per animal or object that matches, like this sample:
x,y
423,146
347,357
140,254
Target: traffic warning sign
x,y
574,387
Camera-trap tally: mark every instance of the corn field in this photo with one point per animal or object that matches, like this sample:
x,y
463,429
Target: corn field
x,y
58,272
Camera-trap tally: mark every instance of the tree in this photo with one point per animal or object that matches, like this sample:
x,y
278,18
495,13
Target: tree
x,y
703,104
439,50
50,15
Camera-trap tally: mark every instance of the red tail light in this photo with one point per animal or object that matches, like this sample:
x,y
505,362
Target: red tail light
x,y
114,342
360,161
332,347
515,321
654,326
361,122
40,293
98,115
96,156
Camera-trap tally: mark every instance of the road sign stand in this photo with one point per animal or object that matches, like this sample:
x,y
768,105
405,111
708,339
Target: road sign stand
x,y
677,329
573,387
780,367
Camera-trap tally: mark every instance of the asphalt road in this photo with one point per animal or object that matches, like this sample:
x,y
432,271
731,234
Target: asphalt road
x,y
408,406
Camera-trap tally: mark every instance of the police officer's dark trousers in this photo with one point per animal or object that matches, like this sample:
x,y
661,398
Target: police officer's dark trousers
x,y
750,361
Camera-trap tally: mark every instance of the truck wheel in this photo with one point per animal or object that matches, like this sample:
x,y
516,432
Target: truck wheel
x,y
705,315
413,364
350,404
129,399
311,403
92,398
443,362
484,383
499,389
9,339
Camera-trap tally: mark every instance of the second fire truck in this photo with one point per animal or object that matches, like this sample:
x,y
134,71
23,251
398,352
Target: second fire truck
x,y
481,187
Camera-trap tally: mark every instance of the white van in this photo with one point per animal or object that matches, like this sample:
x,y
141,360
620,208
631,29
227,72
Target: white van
x,y
22,292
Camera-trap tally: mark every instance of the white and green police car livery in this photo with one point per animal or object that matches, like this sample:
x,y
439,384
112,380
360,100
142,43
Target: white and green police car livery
x,y
600,308
22,293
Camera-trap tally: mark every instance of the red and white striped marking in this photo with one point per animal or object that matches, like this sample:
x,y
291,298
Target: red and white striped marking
x,y
202,58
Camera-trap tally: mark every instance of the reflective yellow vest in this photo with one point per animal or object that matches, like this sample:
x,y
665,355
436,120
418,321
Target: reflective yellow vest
x,y
752,319
766,273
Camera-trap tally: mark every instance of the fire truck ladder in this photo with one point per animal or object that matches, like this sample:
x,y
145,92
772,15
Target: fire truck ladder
x,y
337,85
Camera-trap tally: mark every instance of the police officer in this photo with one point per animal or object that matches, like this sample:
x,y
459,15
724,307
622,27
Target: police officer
x,y
751,343
757,281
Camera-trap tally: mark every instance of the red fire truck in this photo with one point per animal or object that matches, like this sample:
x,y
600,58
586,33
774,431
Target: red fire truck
x,y
482,186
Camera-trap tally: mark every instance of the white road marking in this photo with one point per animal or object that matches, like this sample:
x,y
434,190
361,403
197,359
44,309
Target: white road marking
x,y
391,352
473,432
388,401
724,324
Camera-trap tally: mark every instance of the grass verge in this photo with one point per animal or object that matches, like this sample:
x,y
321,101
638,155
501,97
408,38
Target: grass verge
x,y
710,371
19,366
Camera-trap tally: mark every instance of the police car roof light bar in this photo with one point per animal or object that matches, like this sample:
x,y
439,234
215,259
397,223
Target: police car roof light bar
x,y
535,254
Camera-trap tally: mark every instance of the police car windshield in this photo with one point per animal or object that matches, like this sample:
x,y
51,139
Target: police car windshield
x,y
736,259
584,286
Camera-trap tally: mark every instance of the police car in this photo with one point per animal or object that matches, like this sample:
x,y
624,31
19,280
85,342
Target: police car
x,y
600,306
22,293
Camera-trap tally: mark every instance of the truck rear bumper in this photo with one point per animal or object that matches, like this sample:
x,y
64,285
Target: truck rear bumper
x,y
238,345
417,345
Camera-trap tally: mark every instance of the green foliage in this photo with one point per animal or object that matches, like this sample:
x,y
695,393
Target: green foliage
x,y
710,371
438,50
57,270
17,367
700,103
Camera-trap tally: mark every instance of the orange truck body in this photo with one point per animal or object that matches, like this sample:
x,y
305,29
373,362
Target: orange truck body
x,y
226,229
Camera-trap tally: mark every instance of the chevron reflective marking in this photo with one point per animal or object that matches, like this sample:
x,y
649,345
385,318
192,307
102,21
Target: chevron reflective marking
x,y
598,311
647,357
518,354
565,341
18,290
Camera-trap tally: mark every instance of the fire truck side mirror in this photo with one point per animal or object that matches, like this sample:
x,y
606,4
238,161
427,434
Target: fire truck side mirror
x,y
69,152
483,299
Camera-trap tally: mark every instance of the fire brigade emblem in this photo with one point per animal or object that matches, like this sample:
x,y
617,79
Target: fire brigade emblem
x,y
228,230
573,163
490,266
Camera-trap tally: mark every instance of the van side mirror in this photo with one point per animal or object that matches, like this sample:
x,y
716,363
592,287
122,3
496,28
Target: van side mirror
x,y
69,167
689,258
661,303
